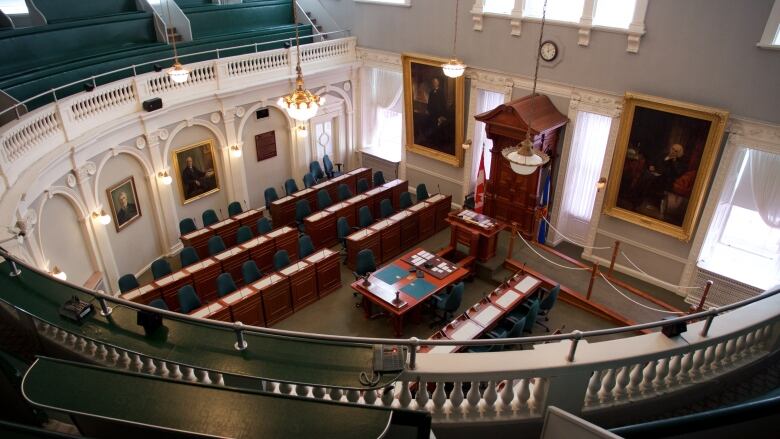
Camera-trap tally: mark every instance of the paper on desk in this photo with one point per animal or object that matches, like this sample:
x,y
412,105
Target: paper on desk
x,y
467,331
443,349
507,299
486,315
525,284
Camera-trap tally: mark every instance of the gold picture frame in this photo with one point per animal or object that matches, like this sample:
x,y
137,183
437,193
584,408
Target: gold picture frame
x,y
661,184
123,200
434,126
202,178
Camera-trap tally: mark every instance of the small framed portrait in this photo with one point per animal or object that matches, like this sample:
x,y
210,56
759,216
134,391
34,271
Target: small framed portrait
x,y
664,158
433,107
123,199
196,171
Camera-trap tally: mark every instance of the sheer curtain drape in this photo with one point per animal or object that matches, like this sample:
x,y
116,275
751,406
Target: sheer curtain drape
x,y
765,182
486,101
588,146
383,92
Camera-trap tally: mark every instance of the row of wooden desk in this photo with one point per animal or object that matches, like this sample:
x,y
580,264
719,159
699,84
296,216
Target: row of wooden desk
x,y
226,228
387,238
321,226
485,314
202,275
279,294
283,209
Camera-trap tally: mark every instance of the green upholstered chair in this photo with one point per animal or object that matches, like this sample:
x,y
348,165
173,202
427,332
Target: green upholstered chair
x,y
187,225
234,208
281,259
160,268
290,187
328,165
243,234
308,180
305,246
263,226
225,284
386,208
365,263
344,192
379,178
362,185
529,311
448,303
270,196
343,230
365,218
323,199
549,299
188,256
250,272
316,171
508,328
302,210
128,282
405,200
216,245
422,192
210,217
188,299
159,304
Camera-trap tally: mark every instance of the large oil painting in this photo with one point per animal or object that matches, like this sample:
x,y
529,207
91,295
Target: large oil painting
x,y
664,157
196,171
123,199
433,105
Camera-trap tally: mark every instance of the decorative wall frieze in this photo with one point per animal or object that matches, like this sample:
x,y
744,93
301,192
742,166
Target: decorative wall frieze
x,y
609,105
754,134
87,170
215,117
378,58
140,142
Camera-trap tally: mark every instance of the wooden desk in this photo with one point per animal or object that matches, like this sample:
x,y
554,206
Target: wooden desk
x,y
321,227
347,179
396,187
344,209
485,313
442,207
199,240
204,278
327,264
169,285
363,239
359,201
285,238
410,233
426,221
144,294
517,290
245,306
261,250
249,218
488,229
277,301
376,195
463,328
389,238
359,173
303,283
383,294
227,230
283,211
213,311
232,260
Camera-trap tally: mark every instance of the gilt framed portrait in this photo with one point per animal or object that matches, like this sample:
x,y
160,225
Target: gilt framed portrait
x,y
433,108
664,157
196,171
123,199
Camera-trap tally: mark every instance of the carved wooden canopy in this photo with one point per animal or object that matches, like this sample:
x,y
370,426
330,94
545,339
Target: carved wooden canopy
x,y
512,118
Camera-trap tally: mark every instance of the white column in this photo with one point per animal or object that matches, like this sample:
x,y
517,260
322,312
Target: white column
x,y
163,195
235,165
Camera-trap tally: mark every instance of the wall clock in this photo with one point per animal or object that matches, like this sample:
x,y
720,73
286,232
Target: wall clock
x,y
548,50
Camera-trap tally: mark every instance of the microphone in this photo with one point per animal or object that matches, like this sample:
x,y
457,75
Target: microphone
x,y
246,205
220,213
438,187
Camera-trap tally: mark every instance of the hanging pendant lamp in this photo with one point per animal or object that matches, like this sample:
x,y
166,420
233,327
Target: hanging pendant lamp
x,y
178,73
454,68
300,104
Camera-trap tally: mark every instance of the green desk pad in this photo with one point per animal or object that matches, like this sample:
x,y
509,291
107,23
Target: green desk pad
x,y
194,344
391,274
195,408
418,288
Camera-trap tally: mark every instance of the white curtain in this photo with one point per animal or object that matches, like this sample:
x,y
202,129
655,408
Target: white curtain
x,y
481,145
586,155
383,91
764,168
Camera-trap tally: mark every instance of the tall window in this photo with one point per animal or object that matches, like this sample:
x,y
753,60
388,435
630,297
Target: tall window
x,y
614,13
743,241
586,156
499,6
607,13
13,7
486,101
383,113
324,138
559,10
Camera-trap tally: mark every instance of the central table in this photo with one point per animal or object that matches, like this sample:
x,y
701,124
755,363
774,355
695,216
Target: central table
x,y
398,291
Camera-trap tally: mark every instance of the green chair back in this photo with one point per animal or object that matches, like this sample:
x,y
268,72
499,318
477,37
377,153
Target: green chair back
x,y
453,300
549,300
365,218
187,225
530,317
128,282
316,171
159,304
250,272
344,192
225,284
405,201
188,256
517,328
343,229
386,208
305,246
210,217
362,185
422,192
290,187
379,178
323,199
234,208
263,226
308,180
281,259
365,262
302,210
243,234
188,299
270,196
160,268
216,245
328,165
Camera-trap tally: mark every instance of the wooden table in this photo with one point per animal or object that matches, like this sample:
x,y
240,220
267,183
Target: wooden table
x,y
232,261
327,264
442,207
396,187
204,278
359,173
245,306
383,294
344,209
321,227
407,221
226,229
275,293
283,209
261,250
303,283
488,229
169,285
285,238
516,291
249,218
361,240
144,294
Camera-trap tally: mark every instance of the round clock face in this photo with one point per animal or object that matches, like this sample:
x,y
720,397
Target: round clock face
x,y
548,50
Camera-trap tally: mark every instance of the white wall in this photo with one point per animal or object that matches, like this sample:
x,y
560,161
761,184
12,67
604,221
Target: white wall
x,y
63,240
269,172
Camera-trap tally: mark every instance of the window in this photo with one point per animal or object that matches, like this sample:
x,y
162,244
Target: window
x,y
389,128
499,6
387,2
771,37
486,101
777,36
614,13
383,113
323,138
558,10
13,7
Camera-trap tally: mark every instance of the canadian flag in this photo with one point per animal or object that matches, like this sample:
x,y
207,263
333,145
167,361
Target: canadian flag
x,y
479,191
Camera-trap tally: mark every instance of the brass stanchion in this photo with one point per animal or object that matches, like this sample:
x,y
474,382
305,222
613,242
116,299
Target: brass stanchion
x,y
614,256
593,273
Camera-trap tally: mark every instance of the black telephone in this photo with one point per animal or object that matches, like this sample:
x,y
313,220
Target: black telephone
x,y
75,309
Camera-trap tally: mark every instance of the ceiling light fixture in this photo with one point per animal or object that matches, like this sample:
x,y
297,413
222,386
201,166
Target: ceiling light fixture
x,y
523,157
454,68
301,104
178,73
302,131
